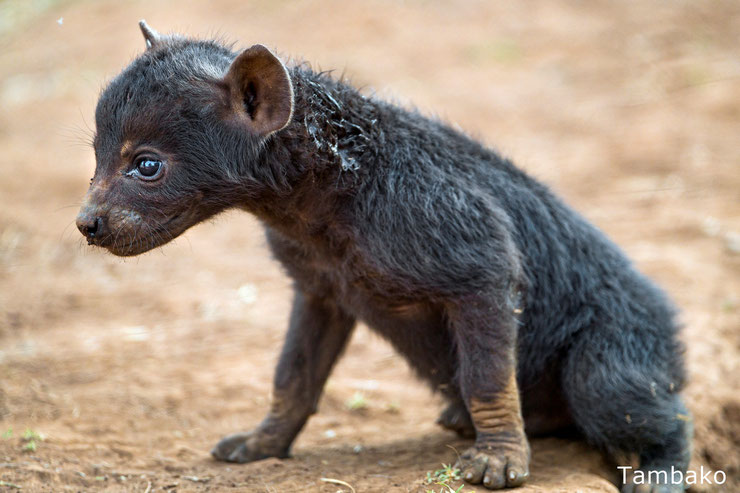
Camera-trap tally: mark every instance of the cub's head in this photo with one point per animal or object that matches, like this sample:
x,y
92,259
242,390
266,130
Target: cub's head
x,y
178,133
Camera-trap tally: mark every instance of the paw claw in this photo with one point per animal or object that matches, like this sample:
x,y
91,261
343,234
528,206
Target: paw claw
x,y
494,482
473,471
516,477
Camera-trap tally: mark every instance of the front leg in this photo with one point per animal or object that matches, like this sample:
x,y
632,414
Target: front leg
x,y
318,332
485,329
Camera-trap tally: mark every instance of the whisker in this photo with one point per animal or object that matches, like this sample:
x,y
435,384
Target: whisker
x,y
61,235
79,204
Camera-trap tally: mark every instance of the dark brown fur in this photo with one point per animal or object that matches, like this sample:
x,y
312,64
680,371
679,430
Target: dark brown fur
x,y
499,295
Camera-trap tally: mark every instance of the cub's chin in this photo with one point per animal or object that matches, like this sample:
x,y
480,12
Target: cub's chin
x,y
137,247
145,238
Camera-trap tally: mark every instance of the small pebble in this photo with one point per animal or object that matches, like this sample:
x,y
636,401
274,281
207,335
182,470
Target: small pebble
x,y
247,294
732,241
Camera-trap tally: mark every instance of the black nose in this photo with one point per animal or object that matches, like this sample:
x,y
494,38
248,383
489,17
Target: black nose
x,y
90,226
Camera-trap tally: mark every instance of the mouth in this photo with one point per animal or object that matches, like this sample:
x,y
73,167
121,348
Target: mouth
x,y
147,237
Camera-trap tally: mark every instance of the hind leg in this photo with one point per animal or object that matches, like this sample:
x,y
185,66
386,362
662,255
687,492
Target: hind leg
x,y
624,399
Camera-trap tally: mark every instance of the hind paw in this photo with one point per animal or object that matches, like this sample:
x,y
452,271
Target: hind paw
x,y
653,481
457,418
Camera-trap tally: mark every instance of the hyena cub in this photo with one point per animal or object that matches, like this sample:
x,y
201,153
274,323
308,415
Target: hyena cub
x,y
522,314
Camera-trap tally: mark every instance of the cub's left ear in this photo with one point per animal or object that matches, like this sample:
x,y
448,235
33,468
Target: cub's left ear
x,y
151,36
261,91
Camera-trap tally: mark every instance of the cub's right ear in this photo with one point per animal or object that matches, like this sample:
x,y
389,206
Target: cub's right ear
x,y
261,91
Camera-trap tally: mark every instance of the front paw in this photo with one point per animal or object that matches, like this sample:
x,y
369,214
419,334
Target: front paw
x,y
496,464
247,447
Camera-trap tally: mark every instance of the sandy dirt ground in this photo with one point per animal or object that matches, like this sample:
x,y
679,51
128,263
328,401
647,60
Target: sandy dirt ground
x,y
119,375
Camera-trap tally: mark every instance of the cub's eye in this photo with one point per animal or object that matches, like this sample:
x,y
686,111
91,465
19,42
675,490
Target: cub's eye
x,y
148,168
